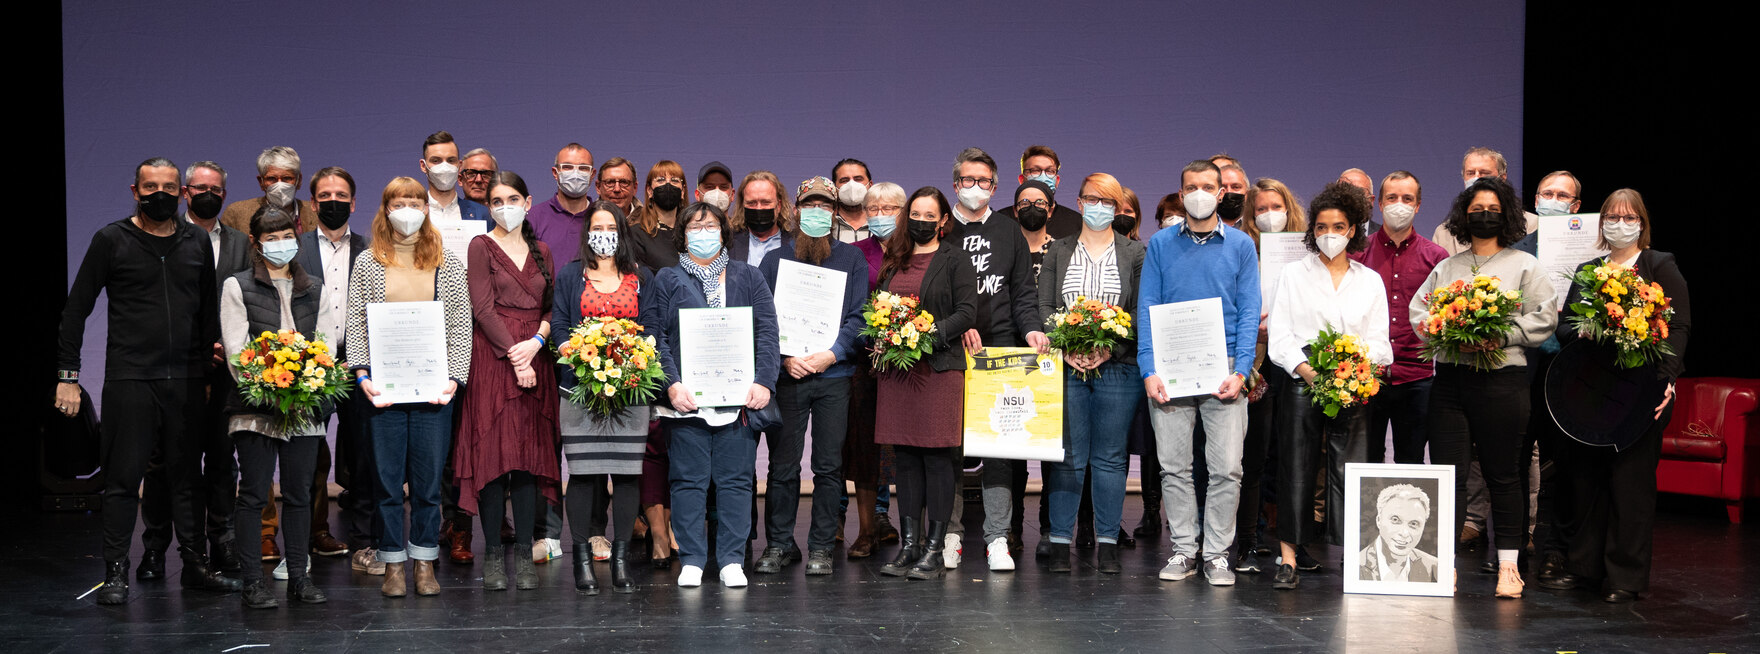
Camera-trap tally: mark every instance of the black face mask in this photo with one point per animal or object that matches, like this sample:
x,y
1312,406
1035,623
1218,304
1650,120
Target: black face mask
x,y
1484,224
333,213
923,231
1123,224
1032,219
205,205
760,220
1230,206
667,197
158,206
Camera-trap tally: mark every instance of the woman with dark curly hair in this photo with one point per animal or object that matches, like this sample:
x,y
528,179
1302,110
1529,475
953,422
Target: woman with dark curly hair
x,y
1486,411
1324,290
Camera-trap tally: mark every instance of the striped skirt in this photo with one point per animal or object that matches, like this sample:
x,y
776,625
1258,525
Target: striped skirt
x,y
595,445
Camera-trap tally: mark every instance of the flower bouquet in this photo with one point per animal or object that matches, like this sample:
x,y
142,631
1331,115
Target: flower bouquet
x,y
1343,375
1088,325
900,330
1467,313
289,376
1615,306
614,365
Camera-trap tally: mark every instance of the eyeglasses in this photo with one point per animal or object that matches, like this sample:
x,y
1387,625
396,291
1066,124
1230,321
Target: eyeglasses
x,y
985,183
662,181
1629,219
475,173
1039,171
614,183
1095,200
815,204
882,210
1557,195
570,168
1032,203
290,179
197,189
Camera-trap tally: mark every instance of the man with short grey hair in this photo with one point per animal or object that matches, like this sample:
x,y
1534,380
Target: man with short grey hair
x,y
477,172
279,176
1478,162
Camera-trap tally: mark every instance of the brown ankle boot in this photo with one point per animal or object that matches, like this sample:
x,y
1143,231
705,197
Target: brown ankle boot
x,y
426,584
394,586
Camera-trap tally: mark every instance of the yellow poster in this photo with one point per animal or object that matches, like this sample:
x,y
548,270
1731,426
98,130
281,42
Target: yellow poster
x,y
1014,404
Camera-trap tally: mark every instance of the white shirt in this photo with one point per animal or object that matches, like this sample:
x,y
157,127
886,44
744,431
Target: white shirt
x,y
333,302
1306,302
213,237
1388,573
961,217
438,212
1096,278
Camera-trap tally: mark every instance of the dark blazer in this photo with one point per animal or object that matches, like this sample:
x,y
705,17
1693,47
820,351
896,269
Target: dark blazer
x,y
566,304
1423,565
1130,256
1654,266
675,289
469,209
742,244
312,261
849,260
235,253
950,294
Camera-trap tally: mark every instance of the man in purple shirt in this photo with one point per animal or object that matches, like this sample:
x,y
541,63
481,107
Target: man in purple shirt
x,y
1404,259
558,220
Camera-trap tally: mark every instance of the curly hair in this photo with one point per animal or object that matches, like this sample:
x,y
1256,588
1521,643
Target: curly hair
x,y
1515,225
1346,199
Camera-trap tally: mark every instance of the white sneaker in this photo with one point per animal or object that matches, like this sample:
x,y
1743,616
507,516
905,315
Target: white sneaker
x,y
732,576
690,576
280,573
951,551
544,550
1000,561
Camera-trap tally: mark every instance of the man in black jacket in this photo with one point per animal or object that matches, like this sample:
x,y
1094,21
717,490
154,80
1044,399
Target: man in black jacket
x,y
163,321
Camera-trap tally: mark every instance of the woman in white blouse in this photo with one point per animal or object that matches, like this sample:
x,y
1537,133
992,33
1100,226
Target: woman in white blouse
x,y
1324,290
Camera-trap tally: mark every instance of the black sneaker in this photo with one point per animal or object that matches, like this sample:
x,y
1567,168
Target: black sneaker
x,y
302,590
1551,565
1248,563
1286,578
152,567
1306,563
257,596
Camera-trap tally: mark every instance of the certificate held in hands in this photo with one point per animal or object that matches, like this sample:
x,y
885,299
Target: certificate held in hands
x,y
1191,346
715,351
809,307
407,344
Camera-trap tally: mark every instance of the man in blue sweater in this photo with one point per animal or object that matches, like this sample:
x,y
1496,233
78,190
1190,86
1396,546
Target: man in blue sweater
x,y
1200,259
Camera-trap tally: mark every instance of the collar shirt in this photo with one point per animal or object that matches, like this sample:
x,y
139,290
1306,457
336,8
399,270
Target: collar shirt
x,y
1403,267
440,212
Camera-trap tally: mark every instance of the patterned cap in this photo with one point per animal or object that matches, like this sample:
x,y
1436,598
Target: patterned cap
x,y
817,185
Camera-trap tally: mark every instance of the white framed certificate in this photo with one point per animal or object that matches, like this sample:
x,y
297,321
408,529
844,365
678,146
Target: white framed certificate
x,y
1191,347
456,235
1276,250
809,307
1565,243
407,344
716,359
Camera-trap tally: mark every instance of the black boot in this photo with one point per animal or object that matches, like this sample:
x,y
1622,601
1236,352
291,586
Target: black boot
x,y
224,557
620,581
1107,559
495,566
584,581
930,565
910,548
302,590
1150,527
115,588
1059,559
199,576
152,567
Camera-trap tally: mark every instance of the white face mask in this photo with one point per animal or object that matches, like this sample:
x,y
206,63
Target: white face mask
x,y
1398,216
1331,244
1200,205
973,198
1552,207
280,194
852,193
719,198
573,183
1468,182
1271,221
407,221
509,217
603,244
443,176
1621,234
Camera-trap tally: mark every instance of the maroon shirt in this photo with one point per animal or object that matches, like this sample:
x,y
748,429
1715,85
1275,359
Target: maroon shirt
x,y
1403,268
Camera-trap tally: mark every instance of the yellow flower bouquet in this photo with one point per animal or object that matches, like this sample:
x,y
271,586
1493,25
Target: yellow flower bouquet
x,y
1343,375
1615,306
1086,326
901,332
1467,313
290,376
615,366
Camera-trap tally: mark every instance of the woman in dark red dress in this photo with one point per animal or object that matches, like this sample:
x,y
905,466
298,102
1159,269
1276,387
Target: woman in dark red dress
x,y
919,410
506,446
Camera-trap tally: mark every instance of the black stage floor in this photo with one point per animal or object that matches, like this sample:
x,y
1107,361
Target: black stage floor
x,y
1704,599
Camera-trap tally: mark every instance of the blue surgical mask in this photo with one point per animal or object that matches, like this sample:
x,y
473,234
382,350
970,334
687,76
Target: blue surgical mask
x,y
1097,216
881,226
278,253
1552,207
1048,180
815,221
703,243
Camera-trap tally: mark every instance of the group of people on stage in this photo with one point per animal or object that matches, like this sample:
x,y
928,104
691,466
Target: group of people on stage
x,y
187,289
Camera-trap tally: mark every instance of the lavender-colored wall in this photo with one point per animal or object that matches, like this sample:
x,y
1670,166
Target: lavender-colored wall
x,y
1136,89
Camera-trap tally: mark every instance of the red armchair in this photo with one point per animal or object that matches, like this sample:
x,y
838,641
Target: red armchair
x,y
1711,446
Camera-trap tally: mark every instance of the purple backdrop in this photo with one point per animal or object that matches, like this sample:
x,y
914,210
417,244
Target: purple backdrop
x,y
1297,92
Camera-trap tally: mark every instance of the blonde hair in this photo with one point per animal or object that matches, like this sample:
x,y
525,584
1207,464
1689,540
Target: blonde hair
x,y
1106,186
647,216
736,214
428,253
1298,219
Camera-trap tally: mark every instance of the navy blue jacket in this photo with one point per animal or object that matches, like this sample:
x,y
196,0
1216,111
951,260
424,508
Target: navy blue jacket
x,y
675,289
846,258
566,313
469,209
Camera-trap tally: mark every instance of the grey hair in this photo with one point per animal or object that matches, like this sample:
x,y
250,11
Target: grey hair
x,y
191,170
155,162
969,155
887,191
492,160
279,156
1497,157
1402,492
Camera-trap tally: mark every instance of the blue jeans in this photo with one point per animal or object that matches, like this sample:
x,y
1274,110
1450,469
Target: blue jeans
x,y
410,442
1225,435
728,457
1096,425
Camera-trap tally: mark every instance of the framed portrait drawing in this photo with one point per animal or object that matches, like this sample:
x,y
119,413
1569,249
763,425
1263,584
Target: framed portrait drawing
x,y
1396,536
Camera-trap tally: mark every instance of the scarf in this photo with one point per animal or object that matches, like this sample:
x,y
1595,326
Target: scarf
x,y
709,276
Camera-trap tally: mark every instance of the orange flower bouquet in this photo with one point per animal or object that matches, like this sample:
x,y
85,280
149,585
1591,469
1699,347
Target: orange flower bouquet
x,y
1616,306
1467,313
290,376
1343,375
615,366
1086,326
901,332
